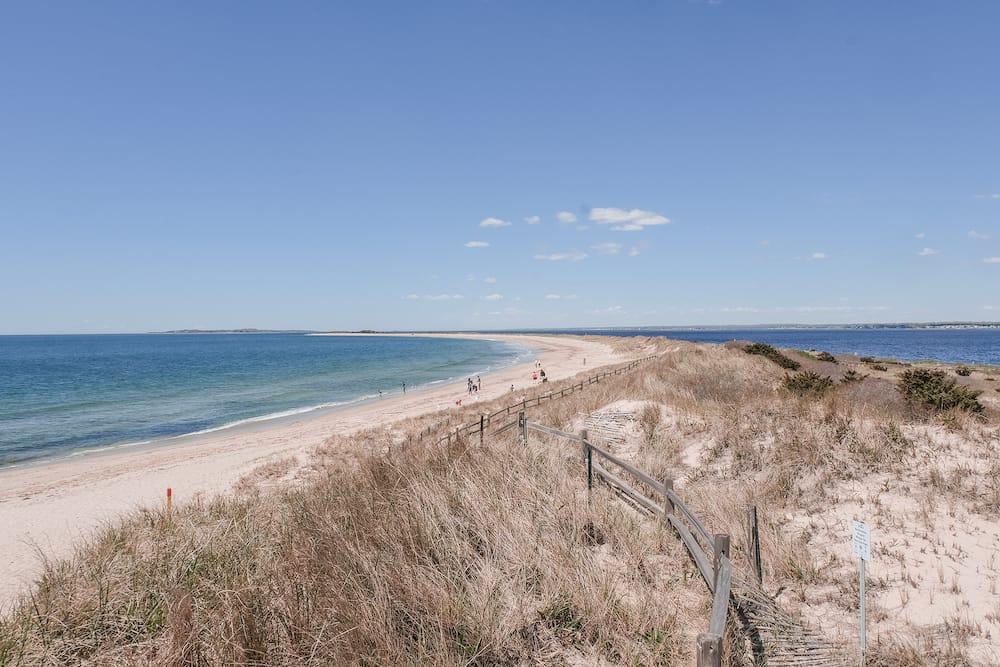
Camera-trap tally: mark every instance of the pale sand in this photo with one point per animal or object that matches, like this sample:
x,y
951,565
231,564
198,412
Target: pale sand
x,y
46,509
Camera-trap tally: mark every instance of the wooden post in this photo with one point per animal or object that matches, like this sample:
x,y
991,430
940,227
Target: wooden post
x,y
170,500
588,457
668,504
482,427
755,545
709,650
721,549
522,425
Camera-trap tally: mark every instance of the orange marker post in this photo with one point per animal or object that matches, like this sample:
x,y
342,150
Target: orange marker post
x,y
170,494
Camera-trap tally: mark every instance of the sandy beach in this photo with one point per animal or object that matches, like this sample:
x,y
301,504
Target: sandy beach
x,y
45,509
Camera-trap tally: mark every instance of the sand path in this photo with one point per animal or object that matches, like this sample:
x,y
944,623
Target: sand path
x,y
46,509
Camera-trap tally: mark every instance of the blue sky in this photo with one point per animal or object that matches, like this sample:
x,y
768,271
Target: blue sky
x,y
490,165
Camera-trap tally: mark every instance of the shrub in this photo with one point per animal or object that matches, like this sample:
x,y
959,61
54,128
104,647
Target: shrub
x,y
936,391
852,376
868,360
773,354
826,356
964,371
808,382
879,367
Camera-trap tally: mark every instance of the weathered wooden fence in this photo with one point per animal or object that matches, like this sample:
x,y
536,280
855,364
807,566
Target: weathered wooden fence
x,y
776,639
486,420
716,570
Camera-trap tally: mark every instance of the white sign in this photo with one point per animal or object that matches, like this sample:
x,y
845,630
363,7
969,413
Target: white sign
x,y
861,540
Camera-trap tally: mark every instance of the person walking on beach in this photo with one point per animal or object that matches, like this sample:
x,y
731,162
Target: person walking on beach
x,y
479,383
404,387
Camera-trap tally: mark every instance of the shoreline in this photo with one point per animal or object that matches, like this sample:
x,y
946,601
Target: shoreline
x,y
47,508
268,420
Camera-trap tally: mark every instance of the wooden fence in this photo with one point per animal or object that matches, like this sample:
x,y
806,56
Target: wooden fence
x,y
717,570
486,420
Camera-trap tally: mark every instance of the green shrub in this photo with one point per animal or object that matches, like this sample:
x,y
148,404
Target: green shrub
x,y
808,383
935,390
852,376
964,371
826,356
773,354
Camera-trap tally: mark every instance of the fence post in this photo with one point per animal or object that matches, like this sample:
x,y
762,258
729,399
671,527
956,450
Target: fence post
x,y
482,427
709,650
721,549
588,457
668,504
755,544
522,425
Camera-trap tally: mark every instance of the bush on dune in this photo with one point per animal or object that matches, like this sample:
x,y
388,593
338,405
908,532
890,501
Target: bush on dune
x,y
769,352
934,390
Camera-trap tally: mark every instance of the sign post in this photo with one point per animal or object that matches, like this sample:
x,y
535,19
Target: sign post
x,y
861,545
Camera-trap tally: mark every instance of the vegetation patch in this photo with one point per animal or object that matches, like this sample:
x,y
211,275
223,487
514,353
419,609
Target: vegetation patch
x,y
826,356
852,376
765,350
933,389
808,383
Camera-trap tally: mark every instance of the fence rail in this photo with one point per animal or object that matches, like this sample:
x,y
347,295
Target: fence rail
x,y
485,421
716,569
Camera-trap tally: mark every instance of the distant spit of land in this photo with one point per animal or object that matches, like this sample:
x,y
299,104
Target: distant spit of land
x,y
694,327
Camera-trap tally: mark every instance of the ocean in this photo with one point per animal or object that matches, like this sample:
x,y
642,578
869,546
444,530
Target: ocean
x,y
952,345
63,395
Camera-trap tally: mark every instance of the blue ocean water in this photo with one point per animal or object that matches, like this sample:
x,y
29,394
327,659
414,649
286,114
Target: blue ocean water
x,y
952,345
62,394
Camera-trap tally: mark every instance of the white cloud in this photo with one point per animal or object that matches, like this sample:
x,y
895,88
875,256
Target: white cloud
x,y
493,297
634,252
477,244
991,260
919,235
489,280
607,248
434,297
741,309
973,234
494,222
926,252
633,220
819,255
989,196
532,220
991,307
574,256
565,216
557,297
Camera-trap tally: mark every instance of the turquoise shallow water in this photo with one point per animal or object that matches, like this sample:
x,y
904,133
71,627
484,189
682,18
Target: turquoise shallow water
x,y
63,394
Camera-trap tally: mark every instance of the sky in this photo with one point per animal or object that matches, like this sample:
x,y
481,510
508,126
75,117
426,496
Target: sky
x,y
481,164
